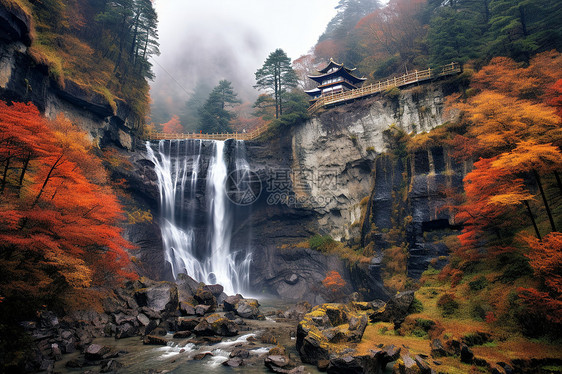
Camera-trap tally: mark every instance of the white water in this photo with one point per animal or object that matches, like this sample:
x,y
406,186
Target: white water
x,y
218,264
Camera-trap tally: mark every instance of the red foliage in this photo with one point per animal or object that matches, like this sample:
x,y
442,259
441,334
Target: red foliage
x,y
173,126
333,281
556,100
58,221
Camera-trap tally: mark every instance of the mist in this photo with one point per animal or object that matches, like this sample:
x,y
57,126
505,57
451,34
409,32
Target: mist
x,y
205,41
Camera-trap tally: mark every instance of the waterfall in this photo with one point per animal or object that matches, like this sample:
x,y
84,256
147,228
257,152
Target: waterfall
x,y
208,256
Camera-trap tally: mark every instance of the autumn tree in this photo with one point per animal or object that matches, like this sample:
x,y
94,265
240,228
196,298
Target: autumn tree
x,y
334,283
58,226
276,77
173,126
545,258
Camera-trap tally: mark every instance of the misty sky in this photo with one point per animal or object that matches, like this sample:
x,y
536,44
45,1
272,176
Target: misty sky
x,y
229,39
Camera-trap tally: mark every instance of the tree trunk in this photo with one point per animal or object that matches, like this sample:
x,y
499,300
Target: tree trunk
x,y
6,168
532,219
23,171
55,165
543,195
558,181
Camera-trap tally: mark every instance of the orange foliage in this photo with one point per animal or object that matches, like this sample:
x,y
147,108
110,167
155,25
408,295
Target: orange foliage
x,y
58,215
556,97
508,77
173,126
490,196
333,281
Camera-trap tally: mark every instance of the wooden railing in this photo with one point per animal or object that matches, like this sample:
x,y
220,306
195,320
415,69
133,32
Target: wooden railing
x,y
417,76
251,135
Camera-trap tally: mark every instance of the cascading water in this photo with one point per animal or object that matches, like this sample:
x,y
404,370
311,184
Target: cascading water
x,y
211,259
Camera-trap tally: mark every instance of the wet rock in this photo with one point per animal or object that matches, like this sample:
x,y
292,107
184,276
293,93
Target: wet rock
x,y
182,334
278,350
215,289
268,338
233,362
240,353
125,330
205,297
187,309
154,340
152,325
201,310
298,311
120,318
202,355
187,324
111,366
95,352
276,361
215,325
143,319
248,308
74,363
161,297
231,301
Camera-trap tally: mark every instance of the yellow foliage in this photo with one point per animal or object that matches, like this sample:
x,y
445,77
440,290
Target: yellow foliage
x,y
139,216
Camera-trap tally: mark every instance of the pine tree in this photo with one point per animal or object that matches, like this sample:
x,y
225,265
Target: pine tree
x,y
213,115
276,76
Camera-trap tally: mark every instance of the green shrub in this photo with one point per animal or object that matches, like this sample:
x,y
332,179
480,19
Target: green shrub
x,y
319,242
447,304
415,307
478,284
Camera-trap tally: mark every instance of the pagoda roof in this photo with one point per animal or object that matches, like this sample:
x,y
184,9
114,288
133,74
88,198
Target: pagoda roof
x,y
340,72
333,64
314,91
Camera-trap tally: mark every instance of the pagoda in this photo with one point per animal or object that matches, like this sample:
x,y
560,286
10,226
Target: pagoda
x,y
334,78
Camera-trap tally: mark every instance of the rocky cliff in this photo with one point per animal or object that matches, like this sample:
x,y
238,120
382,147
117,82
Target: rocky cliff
x,y
22,78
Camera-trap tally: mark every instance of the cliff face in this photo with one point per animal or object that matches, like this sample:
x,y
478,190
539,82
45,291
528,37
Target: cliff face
x,y
342,144
23,79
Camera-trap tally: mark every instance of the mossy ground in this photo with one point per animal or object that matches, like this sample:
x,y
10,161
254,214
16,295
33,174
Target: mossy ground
x,y
505,344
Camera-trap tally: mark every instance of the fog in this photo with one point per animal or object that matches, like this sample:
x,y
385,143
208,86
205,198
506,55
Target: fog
x,y
206,41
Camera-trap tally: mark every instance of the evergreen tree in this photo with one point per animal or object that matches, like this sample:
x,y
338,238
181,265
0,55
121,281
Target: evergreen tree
x,y
276,76
213,115
189,116
454,35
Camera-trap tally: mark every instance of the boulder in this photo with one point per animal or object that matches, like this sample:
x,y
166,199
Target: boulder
x,y
327,324
143,319
395,310
276,361
182,334
154,340
111,366
215,325
125,330
201,310
437,349
215,289
161,297
205,297
231,301
233,362
187,309
96,352
248,308
187,324
240,353
298,310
